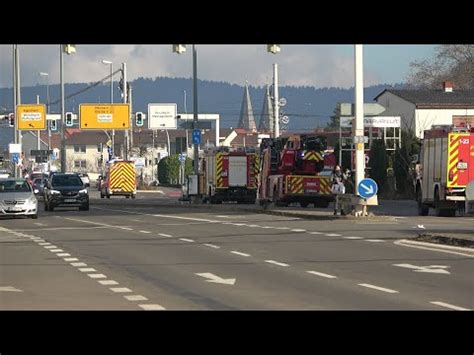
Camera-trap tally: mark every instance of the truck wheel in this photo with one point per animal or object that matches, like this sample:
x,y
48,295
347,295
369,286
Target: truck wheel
x,y
423,209
440,212
127,196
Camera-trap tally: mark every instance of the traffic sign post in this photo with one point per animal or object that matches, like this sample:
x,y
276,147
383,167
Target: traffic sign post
x,y
196,136
367,188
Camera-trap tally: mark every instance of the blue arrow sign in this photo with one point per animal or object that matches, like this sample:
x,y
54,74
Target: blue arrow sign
x,y
367,188
16,158
196,136
182,157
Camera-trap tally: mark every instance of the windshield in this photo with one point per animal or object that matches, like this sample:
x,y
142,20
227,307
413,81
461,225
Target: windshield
x,y
14,186
66,180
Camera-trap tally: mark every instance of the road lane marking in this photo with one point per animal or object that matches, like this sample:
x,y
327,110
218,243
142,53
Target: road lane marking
x,y
353,238
97,276
71,259
9,289
239,253
447,305
136,298
78,264
282,228
151,307
51,247
276,263
315,233
44,244
435,269
136,220
56,250
322,274
38,240
87,269
212,246
374,240
187,240
298,230
39,224
126,228
267,227
216,279
239,224
63,254
252,225
108,282
165,235
146,232
332,235
120,289
378,288
434,247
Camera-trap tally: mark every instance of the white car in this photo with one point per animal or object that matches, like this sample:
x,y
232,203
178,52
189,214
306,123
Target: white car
x,y
85,179
17,198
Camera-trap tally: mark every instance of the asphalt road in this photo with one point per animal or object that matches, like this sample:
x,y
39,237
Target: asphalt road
x,y
127,257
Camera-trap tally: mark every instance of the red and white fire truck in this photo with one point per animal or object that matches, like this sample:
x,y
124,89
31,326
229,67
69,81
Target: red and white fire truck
x,y
296,169
230,174
445,168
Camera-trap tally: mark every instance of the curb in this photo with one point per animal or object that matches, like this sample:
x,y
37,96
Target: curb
x,y
439,239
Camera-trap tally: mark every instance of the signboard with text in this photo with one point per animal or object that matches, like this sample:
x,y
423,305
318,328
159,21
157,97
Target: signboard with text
x,y
162,116
111,116
31,117
376,121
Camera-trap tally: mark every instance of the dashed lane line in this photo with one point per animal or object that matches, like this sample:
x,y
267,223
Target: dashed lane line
x,y
165,235
276,263
120,289
135,298
97,276
298,230
151,307
70,259
43,244
378,288
353,238
50,247
322,274
332,235
56,250
108,282
212,246
450,306
315,233
145,232
187,240
374,240
239,253
79,264
87,269
63,254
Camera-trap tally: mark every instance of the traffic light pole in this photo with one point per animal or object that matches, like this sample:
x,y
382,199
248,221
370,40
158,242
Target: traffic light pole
x,y
195,119
63,139
125,100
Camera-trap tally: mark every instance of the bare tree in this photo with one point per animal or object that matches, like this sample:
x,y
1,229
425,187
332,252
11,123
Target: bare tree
x,y
451,62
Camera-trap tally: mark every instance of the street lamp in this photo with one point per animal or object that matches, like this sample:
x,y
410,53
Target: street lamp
x,y
181,48
108,62
68,49
274,49
47,105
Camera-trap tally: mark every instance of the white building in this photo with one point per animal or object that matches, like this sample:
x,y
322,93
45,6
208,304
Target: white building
x,y
421,109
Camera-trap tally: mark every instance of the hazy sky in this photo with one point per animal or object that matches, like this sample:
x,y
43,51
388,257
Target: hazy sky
x,y
312,65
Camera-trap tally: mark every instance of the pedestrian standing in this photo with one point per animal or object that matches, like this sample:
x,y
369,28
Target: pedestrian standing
x,y
338,188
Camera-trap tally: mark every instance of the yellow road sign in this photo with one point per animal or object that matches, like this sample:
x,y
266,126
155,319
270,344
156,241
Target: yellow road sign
x,y
31,117
111,116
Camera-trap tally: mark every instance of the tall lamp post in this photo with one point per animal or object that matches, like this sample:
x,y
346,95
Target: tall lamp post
x,y
274,49
68,49
47,105
108,62
180,48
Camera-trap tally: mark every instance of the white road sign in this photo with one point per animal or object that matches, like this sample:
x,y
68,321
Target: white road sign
x,y
376,121
162,116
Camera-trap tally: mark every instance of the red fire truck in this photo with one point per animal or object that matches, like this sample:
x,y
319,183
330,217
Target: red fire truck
x,y
445,167
296,169
230,174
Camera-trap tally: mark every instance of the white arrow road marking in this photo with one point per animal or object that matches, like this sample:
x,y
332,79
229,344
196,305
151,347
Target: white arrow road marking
x,y
369,190
216,279
10,289
435,269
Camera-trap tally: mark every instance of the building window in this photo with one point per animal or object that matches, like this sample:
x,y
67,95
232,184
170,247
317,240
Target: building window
x,y
79,164
80,148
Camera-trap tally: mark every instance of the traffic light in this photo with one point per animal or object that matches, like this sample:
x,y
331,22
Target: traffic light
x,y
69,119
11,120
139,119
53,125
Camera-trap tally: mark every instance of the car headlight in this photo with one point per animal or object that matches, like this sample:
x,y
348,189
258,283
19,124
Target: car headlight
x,y
55,192
37,191
83,191
32,200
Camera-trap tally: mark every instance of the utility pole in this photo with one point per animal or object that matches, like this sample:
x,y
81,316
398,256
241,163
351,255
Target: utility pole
x,y
125,100
276,102
17,101
38,132
195,113
15,129
63,139
130,100
186,112
359,113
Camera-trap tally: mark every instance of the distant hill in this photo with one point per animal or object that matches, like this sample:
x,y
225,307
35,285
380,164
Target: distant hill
x,y
307,107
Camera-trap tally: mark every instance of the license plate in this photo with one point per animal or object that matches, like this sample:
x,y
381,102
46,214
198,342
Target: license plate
x,y
462,165
13,208
70,200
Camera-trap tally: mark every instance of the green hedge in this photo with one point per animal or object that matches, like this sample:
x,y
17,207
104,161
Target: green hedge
x,y
168,169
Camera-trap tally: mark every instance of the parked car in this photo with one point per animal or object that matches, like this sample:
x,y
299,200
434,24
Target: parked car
x,y
17,198
85,179
65,190
38,186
